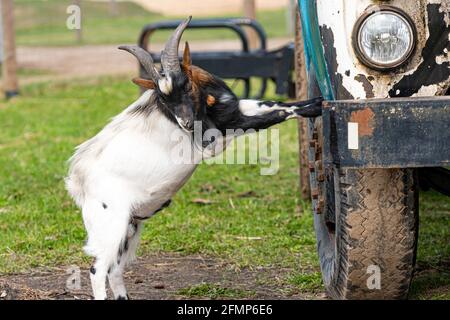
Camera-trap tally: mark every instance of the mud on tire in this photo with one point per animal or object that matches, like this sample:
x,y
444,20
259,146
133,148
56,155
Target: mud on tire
x,y
375,226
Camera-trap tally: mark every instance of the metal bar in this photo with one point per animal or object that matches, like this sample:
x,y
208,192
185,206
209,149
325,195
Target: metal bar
x,y
232,24
387,133
244,64
197,24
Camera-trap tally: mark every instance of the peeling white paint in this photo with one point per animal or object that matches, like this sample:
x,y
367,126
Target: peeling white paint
x,y
342,27
427,91
341,16
442,59
445,8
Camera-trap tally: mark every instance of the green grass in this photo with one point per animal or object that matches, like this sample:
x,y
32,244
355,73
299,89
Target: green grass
x,y
40,226
307,281
433,259
213,291
253,220
43,23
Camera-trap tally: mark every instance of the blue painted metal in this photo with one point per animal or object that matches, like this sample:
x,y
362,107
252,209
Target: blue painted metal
x,y
314,48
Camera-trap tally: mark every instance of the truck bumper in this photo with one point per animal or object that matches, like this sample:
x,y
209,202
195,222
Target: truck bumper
x,y
387,133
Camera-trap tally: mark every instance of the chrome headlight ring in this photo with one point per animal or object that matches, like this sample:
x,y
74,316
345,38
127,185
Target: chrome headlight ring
x,y
384,37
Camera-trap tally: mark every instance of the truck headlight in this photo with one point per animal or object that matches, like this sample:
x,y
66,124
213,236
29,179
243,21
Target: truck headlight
x,y
384,38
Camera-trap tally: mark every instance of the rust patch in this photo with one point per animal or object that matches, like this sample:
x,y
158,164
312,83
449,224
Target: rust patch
x,y
364,118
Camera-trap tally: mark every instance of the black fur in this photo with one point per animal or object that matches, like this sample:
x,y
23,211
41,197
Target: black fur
x,y
222,115
267,103
228,116
123,248
134,220
180,98
92,270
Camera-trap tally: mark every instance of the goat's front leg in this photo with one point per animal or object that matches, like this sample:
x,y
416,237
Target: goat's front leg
x,y
255,114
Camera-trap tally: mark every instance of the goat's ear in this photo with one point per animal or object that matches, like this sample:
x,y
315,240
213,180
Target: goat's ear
x,y
187,61
144,83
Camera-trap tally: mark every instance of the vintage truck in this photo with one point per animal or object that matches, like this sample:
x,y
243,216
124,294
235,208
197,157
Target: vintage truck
x,y
383,67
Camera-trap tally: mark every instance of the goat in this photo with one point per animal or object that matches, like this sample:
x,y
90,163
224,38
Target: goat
x,y
125,174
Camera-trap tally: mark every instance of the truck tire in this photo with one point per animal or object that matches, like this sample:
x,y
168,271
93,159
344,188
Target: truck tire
x,y
366,231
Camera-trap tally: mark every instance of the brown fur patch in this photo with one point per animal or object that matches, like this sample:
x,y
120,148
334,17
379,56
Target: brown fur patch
x,y
144,83
187,61
210,100
200,76
197,77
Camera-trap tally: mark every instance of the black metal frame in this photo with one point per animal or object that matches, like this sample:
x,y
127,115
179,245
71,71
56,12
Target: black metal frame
x,y
392,133
244,64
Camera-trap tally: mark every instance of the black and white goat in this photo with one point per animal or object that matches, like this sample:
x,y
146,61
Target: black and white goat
x,y
125,173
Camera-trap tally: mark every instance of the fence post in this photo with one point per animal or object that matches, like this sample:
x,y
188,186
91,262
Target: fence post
x,y
113,8
78,32
249,7
9,66
1,35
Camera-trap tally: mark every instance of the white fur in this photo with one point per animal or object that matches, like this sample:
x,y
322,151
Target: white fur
x,y
165,85
127,172
127,166
252,108
226,97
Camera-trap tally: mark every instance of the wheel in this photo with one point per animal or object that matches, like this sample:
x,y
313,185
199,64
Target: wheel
x,y
366,224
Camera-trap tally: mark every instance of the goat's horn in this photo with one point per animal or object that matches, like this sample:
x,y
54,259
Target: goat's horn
x,y
145,59
169,56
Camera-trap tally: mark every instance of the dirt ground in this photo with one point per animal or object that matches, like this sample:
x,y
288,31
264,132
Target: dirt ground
x,y
60,63
158,277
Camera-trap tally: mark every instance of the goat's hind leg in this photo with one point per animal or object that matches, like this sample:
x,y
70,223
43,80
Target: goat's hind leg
x,y
125,255
107,229
98,274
